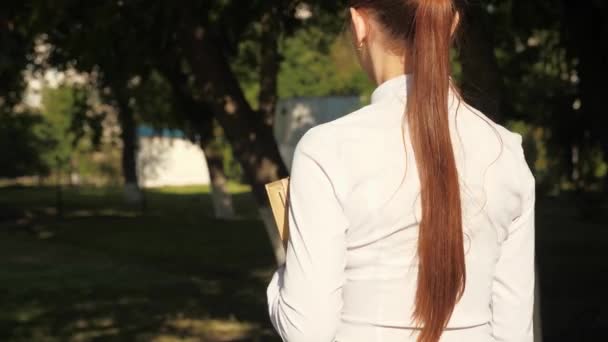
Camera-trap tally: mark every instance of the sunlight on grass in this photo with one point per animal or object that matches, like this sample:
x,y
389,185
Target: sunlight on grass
x,y
28,313
101,212
233,187
108,271
88,330
101,322
238,188
181,190
211,330
91,335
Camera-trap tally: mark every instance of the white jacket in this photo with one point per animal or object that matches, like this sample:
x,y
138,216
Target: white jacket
x,y
351,264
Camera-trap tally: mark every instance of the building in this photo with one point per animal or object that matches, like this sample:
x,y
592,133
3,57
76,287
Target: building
x,y
297,115
167,158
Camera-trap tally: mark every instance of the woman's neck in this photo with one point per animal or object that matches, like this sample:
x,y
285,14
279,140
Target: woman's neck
x,y
387,66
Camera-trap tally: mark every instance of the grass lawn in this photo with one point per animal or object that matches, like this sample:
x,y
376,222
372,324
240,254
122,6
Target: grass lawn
x,y
106,272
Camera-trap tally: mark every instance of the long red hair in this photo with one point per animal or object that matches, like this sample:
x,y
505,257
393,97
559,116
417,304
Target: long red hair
x,y
425,27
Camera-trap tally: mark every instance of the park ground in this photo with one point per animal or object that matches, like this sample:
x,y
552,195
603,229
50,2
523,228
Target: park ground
x,y
171,272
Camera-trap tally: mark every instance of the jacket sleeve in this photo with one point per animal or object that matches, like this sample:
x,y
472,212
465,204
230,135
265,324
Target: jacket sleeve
x,y
513,285
305,295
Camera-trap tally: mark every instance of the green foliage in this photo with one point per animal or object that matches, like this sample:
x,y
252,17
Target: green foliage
x,y
153,102
317,59
232,168
72,133
244,65
543,86
548,56
320,63
65,114
220,145
536,145
23,146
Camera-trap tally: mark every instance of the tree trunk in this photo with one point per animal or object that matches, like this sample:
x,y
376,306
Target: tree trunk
x,y
269,64
481,83
128,136
222,199
251,138
59,194
267,99
196,114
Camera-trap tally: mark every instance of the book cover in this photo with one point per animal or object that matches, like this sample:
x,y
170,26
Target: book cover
x,y
278,198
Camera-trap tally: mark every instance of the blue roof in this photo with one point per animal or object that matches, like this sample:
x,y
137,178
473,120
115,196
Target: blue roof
x,y
150,131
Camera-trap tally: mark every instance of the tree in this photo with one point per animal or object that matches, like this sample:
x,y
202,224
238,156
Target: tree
x,y
198,120
481,81
64,111
16,40
23,145
85,36
319,62
250,135
17,130
548,56
123,41
165,100
227,52
206,41
585,35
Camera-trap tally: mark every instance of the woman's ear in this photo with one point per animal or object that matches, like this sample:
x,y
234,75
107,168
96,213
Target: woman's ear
x,y
359,26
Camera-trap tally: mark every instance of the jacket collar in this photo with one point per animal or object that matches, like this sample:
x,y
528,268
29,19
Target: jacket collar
x,y
396,86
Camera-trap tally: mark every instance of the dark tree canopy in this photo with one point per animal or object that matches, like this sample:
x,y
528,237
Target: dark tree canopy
x,y
531,65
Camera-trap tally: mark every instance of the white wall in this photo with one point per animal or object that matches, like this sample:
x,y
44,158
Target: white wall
x,y
164,161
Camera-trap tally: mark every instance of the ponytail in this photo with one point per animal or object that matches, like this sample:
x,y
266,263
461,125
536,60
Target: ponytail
x,y
441,270
426,26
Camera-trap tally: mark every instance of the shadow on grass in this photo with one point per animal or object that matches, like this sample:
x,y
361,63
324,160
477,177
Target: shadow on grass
x,y
62,293
108,272
572,259
105,272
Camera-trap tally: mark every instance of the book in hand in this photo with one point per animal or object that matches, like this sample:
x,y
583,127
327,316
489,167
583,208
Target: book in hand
x,y
277,196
